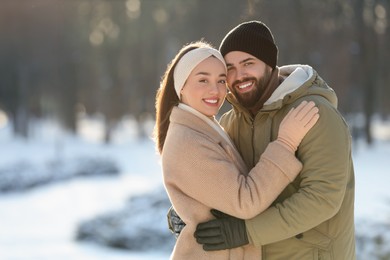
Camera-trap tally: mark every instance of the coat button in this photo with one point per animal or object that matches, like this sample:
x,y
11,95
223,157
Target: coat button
x,y
299,236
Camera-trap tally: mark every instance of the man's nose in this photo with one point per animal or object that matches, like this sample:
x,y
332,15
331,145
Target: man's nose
x,y
241,73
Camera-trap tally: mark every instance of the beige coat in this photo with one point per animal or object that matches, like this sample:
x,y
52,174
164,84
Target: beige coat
x,y
202,170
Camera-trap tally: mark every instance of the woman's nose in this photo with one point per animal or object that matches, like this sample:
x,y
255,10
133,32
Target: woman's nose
x,y
214,88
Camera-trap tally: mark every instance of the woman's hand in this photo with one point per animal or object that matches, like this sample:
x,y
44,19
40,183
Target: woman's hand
x,y
297,123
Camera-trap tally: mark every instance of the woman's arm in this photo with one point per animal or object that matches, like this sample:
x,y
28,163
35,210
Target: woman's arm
x,y
204,171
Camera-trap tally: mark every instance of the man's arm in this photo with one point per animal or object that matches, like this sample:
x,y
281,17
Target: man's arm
x,y
325,153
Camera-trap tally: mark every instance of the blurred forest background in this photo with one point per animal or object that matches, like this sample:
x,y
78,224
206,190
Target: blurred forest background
x,y
62,59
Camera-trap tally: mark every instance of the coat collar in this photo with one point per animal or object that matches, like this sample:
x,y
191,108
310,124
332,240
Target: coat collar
x,y
200,122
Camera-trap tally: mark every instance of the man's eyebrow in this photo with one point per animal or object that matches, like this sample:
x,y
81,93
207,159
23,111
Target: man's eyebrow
x,y
248,59
243,61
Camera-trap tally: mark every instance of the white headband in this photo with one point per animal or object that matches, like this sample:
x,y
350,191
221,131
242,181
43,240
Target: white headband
x,y
189,61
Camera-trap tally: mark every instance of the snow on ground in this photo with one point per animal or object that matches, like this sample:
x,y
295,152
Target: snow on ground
x,y
372,166
40,223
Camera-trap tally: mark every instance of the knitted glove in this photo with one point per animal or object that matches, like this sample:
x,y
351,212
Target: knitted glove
x,y
297,123
175,223
225,232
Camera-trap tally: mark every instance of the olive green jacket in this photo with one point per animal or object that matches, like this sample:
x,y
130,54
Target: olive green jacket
x,y
313,218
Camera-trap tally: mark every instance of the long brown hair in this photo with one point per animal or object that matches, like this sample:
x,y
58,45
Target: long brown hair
x,y
167,98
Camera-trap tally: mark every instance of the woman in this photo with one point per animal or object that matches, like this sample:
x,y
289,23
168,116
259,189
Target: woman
x,y
201,167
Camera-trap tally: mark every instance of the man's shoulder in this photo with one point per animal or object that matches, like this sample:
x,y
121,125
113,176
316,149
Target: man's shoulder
x,y
318,99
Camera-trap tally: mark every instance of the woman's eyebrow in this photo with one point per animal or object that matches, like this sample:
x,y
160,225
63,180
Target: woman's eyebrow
x,y
208,74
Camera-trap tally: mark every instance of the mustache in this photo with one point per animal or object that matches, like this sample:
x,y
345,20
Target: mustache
x,y
235,83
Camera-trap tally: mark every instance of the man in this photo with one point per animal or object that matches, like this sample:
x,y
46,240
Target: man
x,y
313,218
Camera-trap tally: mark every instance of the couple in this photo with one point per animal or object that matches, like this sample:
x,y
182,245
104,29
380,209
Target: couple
x,y
295,202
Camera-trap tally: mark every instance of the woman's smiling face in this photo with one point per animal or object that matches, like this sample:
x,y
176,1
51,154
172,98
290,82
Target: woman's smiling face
x,y
205,88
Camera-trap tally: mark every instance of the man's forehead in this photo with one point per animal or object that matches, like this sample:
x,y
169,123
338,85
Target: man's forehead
x,y
237,57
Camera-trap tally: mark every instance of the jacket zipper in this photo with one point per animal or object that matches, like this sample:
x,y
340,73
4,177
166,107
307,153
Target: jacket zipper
x,y
253,141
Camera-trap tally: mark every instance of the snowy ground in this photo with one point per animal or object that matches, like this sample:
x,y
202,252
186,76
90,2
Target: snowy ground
x,y
40,223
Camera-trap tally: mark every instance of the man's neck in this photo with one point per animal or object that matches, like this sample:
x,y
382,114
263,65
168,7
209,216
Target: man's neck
x,y
272,84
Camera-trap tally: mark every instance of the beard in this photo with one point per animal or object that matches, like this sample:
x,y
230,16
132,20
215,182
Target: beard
x,y
249,99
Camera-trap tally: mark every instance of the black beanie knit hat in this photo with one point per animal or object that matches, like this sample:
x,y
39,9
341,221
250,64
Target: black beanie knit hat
x,y
252,37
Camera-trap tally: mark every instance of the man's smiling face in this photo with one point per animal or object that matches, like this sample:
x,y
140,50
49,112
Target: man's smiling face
x,y
247,77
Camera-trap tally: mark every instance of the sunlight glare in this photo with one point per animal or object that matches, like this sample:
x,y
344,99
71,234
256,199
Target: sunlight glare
x,y
3,119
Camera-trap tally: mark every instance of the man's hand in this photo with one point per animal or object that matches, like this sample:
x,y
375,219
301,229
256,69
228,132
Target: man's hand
x,y
225,232
175,224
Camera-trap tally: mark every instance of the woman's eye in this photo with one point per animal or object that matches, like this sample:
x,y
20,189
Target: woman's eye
x,y
203,81
222,81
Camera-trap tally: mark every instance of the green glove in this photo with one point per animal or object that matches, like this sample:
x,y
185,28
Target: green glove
x,y
225,232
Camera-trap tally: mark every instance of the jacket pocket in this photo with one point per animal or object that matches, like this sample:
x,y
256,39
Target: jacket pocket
x,y
310,245
316,239
320,243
